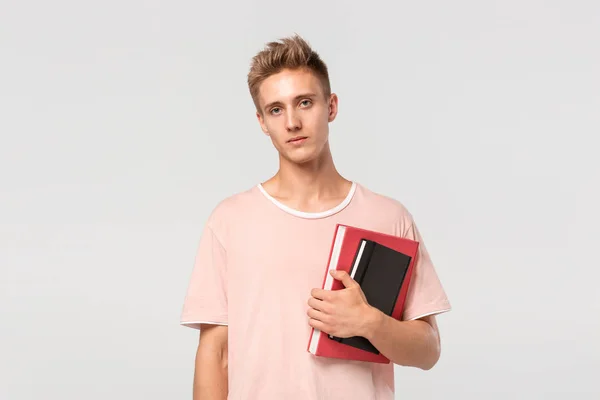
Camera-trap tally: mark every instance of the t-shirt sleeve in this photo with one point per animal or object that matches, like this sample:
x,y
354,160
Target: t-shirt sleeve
x,y
206,297
425,296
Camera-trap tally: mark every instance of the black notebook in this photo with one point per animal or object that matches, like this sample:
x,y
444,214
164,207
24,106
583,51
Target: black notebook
x,y
380,271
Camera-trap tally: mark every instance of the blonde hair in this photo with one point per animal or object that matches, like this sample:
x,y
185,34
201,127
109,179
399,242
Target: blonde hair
x,y
288,53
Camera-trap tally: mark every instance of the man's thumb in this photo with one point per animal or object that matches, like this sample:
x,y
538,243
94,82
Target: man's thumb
x,y
342,276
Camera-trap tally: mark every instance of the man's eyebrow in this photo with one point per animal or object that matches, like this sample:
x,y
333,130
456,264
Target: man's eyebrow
x,y
300,96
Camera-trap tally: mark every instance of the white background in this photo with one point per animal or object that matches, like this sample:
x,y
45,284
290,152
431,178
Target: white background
x,y
123,123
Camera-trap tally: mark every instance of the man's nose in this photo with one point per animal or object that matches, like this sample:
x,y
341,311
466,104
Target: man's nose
x,y
293,122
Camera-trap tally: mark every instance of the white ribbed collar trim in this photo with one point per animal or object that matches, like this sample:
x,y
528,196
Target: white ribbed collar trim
x,y
311,215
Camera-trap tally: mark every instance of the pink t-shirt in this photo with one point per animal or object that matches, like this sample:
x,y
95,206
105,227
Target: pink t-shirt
x,y
256,264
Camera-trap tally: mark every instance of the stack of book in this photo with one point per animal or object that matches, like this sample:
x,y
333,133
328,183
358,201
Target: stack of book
x,y
382,265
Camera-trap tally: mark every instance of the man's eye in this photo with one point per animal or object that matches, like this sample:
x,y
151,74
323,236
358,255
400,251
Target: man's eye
x,y
305,102
274,110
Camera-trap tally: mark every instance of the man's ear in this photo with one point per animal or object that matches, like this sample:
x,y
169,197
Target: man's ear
x,y
333,107
261,121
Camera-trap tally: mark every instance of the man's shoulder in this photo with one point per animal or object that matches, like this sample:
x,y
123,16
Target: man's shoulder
x,y
385,204
385,207
230,206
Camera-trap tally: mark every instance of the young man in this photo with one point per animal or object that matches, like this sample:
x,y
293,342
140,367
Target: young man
x,y
254,292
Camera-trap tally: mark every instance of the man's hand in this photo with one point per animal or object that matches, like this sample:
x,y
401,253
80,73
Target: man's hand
x,y
342,313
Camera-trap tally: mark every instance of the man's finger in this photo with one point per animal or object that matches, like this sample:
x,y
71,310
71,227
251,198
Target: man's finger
x,y
316,314
318,304
320,294
344,277
318,325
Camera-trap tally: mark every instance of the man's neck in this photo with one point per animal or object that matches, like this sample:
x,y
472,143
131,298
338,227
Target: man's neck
x,y
312,187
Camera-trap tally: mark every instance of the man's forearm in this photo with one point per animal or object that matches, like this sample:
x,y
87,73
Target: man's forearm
x,y
210,376
409,343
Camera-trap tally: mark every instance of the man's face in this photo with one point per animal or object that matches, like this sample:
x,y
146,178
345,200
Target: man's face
x,y
295,114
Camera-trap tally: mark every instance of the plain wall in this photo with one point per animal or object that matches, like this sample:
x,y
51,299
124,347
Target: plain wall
x,y
123,123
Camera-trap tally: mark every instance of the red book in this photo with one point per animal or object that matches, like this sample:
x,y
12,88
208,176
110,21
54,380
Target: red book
x,y
346,248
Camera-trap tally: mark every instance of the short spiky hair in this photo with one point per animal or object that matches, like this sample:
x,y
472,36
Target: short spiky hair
x,y
288,53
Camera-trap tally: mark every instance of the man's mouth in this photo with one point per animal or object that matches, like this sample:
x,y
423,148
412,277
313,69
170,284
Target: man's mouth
x,y
296,139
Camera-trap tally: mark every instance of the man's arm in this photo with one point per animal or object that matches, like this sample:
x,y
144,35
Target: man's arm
x,y
210,375
409,343
346,313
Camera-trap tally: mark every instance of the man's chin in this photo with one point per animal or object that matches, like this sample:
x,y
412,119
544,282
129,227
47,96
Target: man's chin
x,y
301,159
